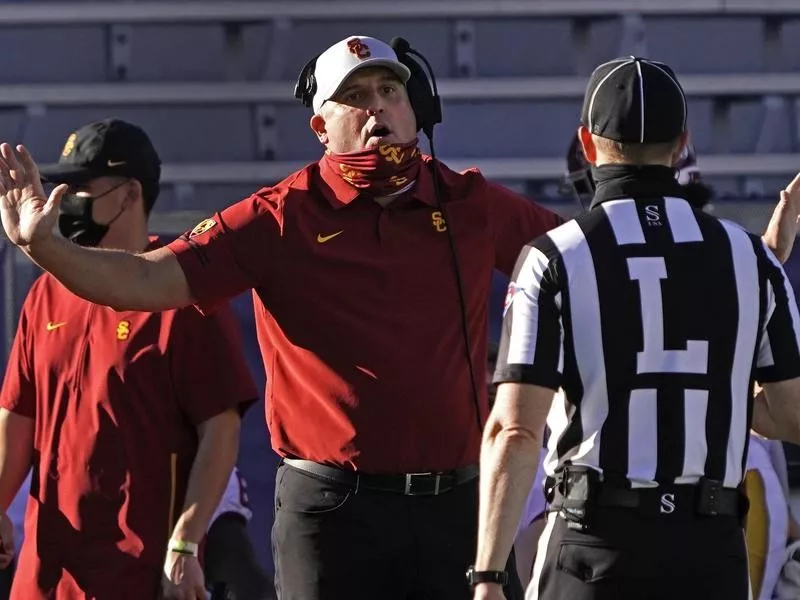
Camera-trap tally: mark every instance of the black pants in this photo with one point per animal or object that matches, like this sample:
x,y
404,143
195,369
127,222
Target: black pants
x,y
330,543
229,559
628,557
7,579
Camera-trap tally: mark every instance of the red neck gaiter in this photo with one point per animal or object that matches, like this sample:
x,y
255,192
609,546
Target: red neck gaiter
x,y
379,171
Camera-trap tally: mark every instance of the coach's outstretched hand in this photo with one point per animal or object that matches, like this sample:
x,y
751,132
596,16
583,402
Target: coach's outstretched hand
x,y
782,228
28,215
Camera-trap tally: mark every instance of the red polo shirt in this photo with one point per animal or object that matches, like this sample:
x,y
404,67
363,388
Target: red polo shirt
x,y
357,310
116,397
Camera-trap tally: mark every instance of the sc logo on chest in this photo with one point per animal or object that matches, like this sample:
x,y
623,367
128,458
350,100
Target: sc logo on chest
x,y
438,221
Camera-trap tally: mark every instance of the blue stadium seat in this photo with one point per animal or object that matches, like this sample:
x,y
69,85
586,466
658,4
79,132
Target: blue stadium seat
x,y
179,133
177,53
514,128
520,47
746,120
707,44
790,50
700,124
63,54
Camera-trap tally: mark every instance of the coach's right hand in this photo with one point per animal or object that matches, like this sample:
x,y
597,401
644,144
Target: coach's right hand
x,y
28,215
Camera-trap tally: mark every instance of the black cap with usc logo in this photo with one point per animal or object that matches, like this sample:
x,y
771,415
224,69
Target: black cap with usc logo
x,y
107,147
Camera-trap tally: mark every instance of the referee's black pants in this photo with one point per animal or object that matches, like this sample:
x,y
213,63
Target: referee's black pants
x,y
625,556
330,543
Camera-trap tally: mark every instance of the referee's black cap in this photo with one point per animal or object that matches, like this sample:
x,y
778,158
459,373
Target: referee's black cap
x,y
634,100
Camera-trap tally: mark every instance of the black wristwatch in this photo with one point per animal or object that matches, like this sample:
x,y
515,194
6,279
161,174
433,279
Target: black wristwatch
x,y
475,577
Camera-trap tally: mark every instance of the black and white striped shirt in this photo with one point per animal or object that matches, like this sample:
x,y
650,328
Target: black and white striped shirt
x,y
653,319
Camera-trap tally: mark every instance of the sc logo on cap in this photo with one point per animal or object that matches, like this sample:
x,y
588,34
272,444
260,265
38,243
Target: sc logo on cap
x,y
69,146
359,48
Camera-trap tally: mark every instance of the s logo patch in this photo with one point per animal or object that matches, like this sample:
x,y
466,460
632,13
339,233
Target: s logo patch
x,y
202,227
652,215
123,330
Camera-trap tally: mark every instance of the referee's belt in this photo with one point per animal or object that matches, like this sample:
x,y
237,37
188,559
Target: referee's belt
x,y
408,484
706,497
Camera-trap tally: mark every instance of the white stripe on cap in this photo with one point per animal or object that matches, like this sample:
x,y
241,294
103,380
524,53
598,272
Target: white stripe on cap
x,y
600,84
641,99
677,85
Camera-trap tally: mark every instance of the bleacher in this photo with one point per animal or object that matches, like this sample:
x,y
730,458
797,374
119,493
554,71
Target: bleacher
x,y
211,82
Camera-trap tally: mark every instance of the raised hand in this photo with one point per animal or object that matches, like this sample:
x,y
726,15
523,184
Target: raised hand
x,y
782,228
28,215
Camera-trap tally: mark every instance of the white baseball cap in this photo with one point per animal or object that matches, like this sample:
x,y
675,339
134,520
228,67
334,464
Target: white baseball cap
x,y
344,58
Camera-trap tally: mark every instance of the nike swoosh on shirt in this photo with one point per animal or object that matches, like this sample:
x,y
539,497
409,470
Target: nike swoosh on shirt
x,y
116,163
324,238
53,326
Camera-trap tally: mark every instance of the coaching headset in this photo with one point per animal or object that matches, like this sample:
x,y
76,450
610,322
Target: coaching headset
x,y
427,105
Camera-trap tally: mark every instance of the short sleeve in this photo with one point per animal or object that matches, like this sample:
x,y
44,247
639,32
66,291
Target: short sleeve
x,y
778,356
531,346
515,221
209,371
18,394
231,251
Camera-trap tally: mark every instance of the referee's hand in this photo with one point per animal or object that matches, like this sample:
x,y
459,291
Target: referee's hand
x,y
7,549
782,228
489,591
183,578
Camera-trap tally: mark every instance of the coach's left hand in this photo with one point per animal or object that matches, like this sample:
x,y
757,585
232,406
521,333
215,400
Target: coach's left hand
x,y
183,578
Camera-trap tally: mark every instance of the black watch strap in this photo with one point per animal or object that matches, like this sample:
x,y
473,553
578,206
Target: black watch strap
x,y
475,577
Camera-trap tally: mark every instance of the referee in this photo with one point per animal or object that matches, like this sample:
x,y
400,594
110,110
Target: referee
x,y
655,319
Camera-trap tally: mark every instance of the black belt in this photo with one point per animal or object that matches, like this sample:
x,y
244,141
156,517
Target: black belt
x,y
408,484
706,498
679,498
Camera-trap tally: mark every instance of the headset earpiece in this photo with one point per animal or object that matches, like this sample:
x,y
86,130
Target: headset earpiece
x,y
421,89
306,85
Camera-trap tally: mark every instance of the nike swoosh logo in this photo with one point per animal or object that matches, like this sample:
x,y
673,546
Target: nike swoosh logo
x,y
325,238
53,326
116,163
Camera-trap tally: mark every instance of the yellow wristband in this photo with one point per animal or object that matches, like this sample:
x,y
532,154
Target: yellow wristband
x,y
182,547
